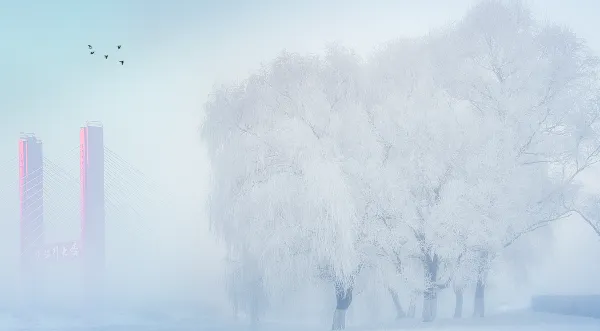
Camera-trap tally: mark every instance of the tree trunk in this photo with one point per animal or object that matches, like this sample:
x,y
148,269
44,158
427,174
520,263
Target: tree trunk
x,y
399,311
254,311
479,304
429,305
430,294
458,307
339,319
412,305
258,301
479,307
236,309
343,296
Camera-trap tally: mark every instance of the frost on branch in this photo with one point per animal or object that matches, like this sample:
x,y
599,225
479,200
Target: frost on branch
x,y
587,206
539,81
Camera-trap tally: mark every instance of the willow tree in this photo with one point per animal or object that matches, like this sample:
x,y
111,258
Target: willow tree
x,y
289,147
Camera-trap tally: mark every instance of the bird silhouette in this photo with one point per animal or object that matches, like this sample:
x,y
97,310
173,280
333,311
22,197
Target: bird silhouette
x,y
89,46
118,46
106,56
122,62
92,52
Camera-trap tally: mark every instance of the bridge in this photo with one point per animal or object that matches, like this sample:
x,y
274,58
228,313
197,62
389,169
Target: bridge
x,y
106,188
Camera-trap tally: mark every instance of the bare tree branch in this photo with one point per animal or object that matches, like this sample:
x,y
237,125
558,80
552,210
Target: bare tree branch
x,y
594,226
534,227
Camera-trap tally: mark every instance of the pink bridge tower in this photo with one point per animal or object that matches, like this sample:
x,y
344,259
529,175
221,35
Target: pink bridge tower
x,y
31,208
31,185
91,139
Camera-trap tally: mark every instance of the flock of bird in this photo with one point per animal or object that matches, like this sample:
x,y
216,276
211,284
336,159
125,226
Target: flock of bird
x,y
92,51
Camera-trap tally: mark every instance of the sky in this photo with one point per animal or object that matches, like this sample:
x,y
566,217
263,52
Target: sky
x,y
174,52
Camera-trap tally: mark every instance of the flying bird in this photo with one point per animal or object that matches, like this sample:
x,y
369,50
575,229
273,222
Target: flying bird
x,y
118,46
89,46
92,52
106,56
122,62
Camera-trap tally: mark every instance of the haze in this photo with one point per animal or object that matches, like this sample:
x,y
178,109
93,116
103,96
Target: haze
x,y
151,109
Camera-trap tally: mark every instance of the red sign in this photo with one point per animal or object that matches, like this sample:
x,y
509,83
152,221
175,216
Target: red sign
x,y
60,251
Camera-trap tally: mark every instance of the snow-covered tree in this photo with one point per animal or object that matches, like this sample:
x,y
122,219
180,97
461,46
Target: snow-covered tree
x,y
484,125
427,138
536,87
440,151
290,148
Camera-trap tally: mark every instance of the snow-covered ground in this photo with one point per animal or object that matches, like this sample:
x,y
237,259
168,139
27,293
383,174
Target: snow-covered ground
x,y
516,321
107,322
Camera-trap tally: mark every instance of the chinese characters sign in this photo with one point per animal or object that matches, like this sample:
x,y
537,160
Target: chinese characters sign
x,y
60,251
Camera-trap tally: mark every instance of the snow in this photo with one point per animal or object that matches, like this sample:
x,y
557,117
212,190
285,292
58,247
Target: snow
x,y
517,321
110,322
513,321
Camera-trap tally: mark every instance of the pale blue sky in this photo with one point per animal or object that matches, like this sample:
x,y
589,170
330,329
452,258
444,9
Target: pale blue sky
x,y
174,51
44,42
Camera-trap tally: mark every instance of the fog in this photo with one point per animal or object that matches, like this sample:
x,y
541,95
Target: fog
x,y
161,253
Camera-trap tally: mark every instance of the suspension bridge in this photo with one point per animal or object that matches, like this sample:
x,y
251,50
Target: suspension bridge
x,y
65,217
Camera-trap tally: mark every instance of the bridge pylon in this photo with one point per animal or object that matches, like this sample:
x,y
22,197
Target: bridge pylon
x,y
31,211
89,249
93,231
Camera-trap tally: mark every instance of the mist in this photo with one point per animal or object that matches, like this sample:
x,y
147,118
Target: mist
x,y
161,253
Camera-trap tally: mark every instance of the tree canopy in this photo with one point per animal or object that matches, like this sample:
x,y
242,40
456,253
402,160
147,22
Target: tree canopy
x,y
431,149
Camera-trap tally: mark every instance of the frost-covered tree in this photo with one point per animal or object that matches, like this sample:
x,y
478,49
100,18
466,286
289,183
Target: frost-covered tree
x,y
536,86
441,151
290,148
408,115
485,125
